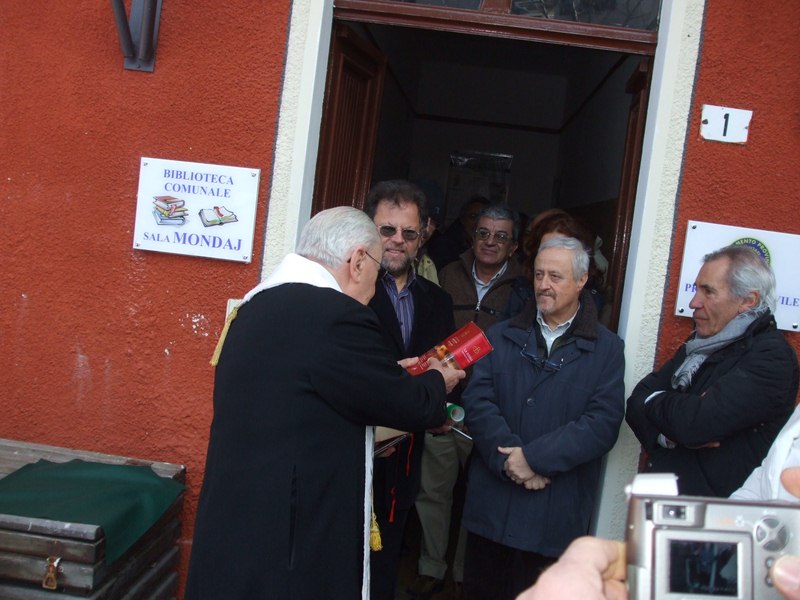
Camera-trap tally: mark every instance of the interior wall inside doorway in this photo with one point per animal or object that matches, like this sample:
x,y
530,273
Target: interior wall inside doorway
x,y
561,112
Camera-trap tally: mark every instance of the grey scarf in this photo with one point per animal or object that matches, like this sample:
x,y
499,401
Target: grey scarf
x,y
699,349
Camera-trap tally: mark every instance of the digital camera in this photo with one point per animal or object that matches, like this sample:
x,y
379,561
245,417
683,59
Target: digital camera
x,y
698,548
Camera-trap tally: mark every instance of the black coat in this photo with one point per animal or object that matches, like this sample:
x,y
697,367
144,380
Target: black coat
x,y
397,476
303,371
740,397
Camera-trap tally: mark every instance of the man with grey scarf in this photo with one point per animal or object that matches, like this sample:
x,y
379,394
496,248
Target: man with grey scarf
x,y
710,414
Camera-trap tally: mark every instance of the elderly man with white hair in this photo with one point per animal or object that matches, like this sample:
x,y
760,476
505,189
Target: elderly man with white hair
x,y
303,373
710,414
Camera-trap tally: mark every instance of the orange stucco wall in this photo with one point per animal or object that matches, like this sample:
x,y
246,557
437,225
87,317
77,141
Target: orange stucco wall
x,y
105,348
748,60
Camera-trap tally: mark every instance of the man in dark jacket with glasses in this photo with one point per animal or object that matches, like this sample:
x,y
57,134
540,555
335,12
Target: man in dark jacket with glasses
x,y
480,283
484,277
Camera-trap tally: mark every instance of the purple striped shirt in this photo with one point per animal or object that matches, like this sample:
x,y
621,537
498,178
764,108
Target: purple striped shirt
x,y
403,303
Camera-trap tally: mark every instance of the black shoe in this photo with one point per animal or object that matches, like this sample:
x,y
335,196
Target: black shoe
x,y
424,587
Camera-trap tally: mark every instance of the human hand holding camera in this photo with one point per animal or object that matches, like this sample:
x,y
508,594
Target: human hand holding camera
x,y
593,568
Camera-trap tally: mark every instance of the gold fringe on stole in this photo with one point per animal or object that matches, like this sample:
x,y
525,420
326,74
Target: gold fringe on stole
x,y
218,349
375,543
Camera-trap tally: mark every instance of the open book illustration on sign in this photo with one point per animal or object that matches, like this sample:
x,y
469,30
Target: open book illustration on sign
x,y
219,215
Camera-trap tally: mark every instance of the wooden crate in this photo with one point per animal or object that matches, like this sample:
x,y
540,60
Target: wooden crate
x,y
145,571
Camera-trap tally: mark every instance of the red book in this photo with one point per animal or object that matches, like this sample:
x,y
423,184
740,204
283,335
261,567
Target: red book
x,y
463,348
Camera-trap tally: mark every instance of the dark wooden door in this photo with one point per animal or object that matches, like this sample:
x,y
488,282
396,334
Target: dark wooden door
x,y
639,88
350,114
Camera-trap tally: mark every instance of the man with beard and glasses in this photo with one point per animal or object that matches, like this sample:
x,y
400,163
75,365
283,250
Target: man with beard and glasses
x,y
543,409
415,314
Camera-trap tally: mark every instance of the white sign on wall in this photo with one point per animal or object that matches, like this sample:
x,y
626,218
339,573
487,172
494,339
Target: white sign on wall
x,y
780,250
724,124
196,209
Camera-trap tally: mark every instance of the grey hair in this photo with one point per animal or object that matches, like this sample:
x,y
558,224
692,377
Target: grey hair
x,y
497,212
332,235
748,272
580,257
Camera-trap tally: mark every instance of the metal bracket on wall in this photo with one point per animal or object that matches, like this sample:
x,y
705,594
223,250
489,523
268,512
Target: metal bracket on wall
x,y
142,27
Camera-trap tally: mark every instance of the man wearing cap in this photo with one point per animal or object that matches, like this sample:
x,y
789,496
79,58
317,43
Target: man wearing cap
x,y
448,245
423,264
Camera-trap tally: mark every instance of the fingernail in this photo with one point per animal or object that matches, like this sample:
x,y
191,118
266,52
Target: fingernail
x,y
786,572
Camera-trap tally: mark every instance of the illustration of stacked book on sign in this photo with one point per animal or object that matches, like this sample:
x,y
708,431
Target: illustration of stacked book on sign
x,y
169,210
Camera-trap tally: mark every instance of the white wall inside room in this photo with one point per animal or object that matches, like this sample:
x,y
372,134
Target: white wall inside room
x,y
491,109
561,113
527,98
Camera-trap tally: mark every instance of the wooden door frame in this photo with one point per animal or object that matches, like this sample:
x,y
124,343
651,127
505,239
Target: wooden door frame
x,y
639,87
350,113
496,24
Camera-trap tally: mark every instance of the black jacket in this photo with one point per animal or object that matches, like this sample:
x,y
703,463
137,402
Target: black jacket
x,y
303,372
396,478
740,398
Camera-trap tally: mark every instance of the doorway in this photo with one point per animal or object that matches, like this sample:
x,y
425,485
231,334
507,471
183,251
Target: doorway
x,y
570,117
672,83
567,118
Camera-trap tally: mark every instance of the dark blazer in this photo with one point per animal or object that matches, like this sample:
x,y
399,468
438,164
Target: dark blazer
x,y
302,372
740,397
433,322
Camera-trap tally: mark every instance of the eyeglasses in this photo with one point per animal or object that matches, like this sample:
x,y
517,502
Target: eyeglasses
x,y
548,366
373,258
388,231
500,237
377,262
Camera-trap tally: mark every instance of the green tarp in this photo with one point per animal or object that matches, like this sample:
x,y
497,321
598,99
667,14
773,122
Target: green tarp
x,y
124,500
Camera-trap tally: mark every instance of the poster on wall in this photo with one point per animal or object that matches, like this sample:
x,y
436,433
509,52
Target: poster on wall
x,y
780,250
476,173
196,209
